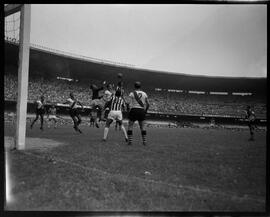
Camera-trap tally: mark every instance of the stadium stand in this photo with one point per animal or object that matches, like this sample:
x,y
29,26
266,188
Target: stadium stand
x,y
231,105
57,91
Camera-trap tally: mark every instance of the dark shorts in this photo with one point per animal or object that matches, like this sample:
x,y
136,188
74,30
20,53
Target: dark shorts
x,y
106,113
136,114
73,112
40,111
251,124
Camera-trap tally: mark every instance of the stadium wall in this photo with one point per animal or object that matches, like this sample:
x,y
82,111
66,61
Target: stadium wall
x,y
10,106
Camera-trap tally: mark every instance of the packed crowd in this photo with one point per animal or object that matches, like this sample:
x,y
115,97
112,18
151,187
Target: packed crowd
x,y
175,103
201,104
55,91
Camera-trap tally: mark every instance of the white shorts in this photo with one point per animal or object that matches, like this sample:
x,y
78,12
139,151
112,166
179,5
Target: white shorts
x,y
115,115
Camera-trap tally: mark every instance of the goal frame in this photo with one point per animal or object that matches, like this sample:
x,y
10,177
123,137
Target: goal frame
x,y
23,69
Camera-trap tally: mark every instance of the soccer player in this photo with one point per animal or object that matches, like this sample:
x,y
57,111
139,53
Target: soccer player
x,y
95,94
120,83
40,111
116,106
108,93
73,111
94,116
52,115
138,107
250,116
106,98
100,100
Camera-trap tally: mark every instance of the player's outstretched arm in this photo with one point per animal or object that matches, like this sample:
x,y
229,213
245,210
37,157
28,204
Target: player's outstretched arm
x,y
80,104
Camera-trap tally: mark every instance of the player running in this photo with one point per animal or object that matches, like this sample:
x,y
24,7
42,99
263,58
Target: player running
x,y
73,111
138,107
250,116
40,111
116,105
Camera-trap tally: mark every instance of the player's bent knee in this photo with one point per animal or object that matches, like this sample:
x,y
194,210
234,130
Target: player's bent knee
x,y
108,122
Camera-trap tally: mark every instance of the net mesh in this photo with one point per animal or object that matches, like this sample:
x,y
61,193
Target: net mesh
x,y
12,27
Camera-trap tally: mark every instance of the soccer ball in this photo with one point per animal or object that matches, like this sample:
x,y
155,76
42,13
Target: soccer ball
x,y
119,75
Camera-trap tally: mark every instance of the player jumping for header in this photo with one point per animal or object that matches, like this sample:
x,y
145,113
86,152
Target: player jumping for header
x,y
100,101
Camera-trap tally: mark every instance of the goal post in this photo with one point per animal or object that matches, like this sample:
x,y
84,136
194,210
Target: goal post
x,y
23,69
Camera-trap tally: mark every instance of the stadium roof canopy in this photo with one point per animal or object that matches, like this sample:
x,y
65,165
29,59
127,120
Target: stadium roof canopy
x,y
53,64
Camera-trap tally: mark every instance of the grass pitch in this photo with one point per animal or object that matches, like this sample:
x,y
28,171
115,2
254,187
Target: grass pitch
x,y
181,169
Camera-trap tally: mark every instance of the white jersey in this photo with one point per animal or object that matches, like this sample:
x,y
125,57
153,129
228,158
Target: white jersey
x,y
39,104
134,103
107,95
72,103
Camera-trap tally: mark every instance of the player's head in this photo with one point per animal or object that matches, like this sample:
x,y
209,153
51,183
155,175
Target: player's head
x,y
42,98
118,93
109,86
137,85
93,86
71,95
120,75
248,107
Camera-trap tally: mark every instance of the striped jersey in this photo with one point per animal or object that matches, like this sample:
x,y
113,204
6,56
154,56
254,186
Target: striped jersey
x,y
117,103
